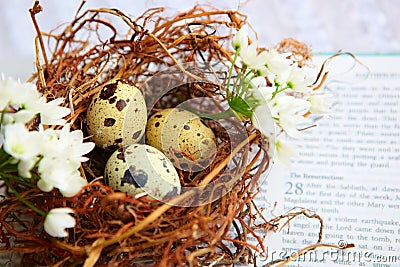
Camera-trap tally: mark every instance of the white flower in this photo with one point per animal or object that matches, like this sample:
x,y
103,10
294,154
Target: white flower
x,y
277,62
50,113
60,151
263,121
65,144
56,172
73,145
6,91
284,151
290,105
75,184
50,142
240,39
63,152
53,172
27,94
289,123
320,104
25,98
294,78
22,145
22,93
69,184
15,93
289,110
22,116
57,220
254,60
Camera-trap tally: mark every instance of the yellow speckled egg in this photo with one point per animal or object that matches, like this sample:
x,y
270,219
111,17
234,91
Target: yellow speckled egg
x,y
182,136
117,115
139,168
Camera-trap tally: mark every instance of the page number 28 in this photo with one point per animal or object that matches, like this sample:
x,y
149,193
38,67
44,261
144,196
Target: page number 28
x,y
294,188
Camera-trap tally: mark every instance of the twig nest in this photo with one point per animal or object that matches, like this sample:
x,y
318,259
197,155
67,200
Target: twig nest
x,y
139,168
117,115
182,136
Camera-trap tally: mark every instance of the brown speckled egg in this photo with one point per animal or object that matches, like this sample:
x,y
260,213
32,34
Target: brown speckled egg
x,y
117,115
139,168
181,136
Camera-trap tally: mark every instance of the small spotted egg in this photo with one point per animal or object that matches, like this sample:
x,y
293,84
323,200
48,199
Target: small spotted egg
x,y
117,115
142,168
182,136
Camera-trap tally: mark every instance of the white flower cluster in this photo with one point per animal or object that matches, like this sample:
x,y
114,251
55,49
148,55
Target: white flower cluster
x,y
289,95
53,157
21,102
57,154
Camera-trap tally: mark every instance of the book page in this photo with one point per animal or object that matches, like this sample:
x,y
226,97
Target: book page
x,y
348,172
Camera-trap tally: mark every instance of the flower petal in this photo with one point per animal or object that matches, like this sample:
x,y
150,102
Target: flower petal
x,y
45,187
320,104
240,39
75,184
25,167
57,220
263,121
284,152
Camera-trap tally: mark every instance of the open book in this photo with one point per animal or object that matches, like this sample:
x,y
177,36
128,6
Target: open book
x,y
348,172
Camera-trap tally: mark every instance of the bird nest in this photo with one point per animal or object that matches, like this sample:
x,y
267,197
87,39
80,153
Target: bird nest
x,y
117,229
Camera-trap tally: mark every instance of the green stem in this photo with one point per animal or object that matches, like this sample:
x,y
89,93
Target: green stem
x,y
6,162
239,78
7,173
241,84
230,72
22,199
3,155
277,91
3,112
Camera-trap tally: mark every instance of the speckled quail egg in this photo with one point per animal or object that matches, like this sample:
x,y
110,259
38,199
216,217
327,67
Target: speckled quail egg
x,y
142,168
117,115
182,136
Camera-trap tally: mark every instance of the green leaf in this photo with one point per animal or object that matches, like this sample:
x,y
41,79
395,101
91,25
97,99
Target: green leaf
x,y
3,156
239,105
